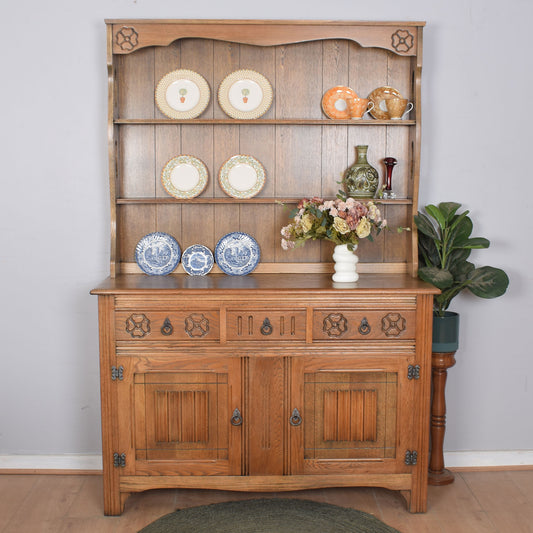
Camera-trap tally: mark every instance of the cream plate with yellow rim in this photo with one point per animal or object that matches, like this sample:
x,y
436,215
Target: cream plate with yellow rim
x,y
242,176
184,176
182,94
245,94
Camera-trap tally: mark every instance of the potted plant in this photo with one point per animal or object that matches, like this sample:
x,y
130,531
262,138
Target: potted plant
x,y
444,246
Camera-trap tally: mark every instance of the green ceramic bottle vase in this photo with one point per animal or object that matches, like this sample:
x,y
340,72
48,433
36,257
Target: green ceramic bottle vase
x,y
361,179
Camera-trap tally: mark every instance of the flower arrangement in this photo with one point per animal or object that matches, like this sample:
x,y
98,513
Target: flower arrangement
x,y
342,221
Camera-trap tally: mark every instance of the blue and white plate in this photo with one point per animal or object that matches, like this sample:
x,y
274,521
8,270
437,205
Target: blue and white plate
x,y
237,254
197,260
157,253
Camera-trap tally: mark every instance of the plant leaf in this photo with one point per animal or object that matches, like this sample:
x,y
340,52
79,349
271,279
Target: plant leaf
x,y
424,225
428,250
460,229
458,255
448,209
461,269
488,282
434,211
442,279
477,243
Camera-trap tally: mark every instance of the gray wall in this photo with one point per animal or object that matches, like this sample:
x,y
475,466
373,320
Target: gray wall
x,y
54,202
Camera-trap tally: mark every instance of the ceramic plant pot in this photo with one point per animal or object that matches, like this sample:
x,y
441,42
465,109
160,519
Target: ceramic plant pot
x,y
445,332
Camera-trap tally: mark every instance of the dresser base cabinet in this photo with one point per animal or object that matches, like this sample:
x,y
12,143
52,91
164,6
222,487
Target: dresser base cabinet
x,y
264,383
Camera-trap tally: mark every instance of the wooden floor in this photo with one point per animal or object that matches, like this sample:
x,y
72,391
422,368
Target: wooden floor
x,y
477,502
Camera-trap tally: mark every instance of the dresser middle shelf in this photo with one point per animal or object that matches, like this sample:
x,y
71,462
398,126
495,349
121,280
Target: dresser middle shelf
x,y
264,122
229,200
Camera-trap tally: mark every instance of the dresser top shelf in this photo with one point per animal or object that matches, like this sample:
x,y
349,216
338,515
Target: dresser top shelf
x,y
293,283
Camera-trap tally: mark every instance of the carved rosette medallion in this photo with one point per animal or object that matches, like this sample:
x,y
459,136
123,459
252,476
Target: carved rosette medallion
x,y
127,38
138,325
393,324
402,41
196,325
335,324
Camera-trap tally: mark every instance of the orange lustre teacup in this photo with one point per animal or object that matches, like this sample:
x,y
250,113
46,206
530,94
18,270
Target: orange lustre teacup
x,y
358,107
397,107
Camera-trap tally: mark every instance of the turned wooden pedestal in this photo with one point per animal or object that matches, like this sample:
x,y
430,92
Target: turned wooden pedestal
x,y
440,362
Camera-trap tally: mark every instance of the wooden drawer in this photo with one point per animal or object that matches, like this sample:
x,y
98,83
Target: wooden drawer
x,y
350,324
266,324
186,325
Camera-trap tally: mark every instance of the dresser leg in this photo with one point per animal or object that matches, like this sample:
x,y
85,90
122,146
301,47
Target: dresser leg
x,y
440,362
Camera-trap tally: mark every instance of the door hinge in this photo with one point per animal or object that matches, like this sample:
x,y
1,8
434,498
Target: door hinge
x,y
117,373
413,372
411,457
119,460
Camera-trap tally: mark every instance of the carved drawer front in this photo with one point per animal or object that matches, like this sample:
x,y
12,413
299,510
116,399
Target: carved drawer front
x,y
349,324
193,326
266,324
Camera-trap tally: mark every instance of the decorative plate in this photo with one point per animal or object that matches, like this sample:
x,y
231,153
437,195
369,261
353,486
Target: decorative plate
x,y
245,94
242,176
237,254
184,176
378,96
182,94
334,102
157,253
197,260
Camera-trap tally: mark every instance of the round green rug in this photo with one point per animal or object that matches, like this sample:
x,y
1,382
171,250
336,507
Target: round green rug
x,y
268,516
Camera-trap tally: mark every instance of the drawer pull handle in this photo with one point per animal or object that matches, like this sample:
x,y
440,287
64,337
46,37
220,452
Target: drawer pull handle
x,y
236,419
295,419
266,328
364,327
167,328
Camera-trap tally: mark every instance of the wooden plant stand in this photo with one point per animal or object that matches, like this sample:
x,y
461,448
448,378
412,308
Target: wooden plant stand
x,y
440,362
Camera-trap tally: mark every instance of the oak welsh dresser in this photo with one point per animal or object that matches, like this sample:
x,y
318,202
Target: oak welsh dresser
x,y
279,380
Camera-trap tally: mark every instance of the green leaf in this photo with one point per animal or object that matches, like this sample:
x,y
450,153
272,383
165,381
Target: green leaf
x,y
477,243
442,279
442,301
425,226
488,282
435,212
459,255
461,269
428,250
460,230
448,209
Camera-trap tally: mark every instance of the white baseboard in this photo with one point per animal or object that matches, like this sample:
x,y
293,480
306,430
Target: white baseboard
x,y
94,462
51,462
488,459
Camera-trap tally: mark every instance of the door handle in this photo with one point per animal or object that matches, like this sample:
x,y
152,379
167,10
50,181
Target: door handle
x,y
296,418
236,418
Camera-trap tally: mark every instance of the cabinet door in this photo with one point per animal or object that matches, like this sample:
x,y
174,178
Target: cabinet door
x,y
264,418
176,416
355,415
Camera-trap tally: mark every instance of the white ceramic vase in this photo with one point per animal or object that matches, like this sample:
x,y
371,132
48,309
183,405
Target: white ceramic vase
x,y
345,264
